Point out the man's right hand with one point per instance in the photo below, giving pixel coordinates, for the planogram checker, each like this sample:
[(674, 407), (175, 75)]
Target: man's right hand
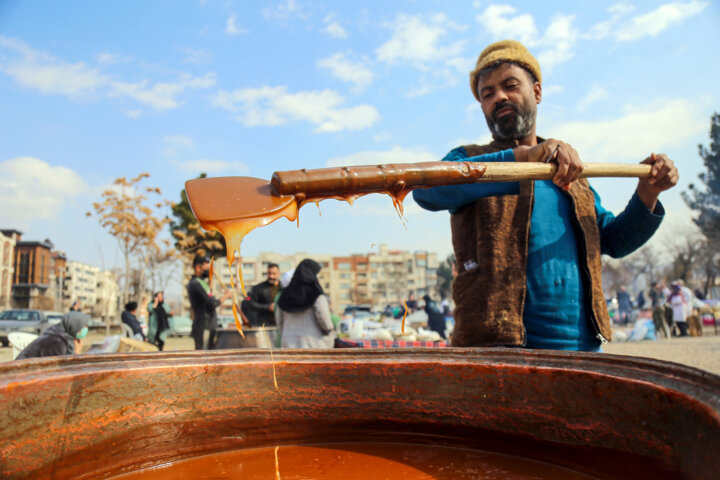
[(271, 307), (568, 160)]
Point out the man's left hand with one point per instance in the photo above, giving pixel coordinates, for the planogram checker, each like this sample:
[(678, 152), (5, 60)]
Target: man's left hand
[(663, 176)]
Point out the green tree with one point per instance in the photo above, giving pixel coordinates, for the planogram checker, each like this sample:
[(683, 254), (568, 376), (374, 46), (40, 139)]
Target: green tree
[(190, 238), (705, 200)]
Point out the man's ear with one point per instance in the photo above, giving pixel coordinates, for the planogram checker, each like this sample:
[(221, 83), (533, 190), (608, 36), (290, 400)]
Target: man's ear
[(537, 90)]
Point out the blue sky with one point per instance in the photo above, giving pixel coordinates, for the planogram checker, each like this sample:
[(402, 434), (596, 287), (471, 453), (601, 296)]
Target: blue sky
[(96, 90)]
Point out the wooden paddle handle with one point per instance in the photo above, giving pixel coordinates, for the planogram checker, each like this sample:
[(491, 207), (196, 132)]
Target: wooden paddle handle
[(401, 176)]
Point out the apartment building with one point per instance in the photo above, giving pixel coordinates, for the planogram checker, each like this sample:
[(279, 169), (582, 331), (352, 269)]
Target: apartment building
[(8, 238), (81, 285), (39, 274)]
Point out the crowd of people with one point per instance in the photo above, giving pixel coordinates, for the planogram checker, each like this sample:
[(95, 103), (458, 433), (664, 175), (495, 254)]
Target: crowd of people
[(673, 306)]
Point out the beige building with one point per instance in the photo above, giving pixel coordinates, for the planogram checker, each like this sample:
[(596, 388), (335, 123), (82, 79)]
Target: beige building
[(8, 238), (107, 296), (383, 277), (81, 285), (96, 290)]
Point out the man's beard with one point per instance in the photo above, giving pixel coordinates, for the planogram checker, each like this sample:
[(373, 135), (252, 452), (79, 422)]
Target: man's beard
[(512, 126)]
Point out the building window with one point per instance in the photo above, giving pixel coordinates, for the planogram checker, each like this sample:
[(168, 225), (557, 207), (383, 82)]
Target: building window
[(421, 262), (345, 286), (345, 276), (343, 266)]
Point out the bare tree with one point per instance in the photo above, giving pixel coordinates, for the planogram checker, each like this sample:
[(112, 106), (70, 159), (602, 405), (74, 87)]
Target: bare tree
[(124, 213), (685, 253)]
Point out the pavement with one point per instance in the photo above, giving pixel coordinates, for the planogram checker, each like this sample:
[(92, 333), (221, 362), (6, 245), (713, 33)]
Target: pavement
[(699, 352)]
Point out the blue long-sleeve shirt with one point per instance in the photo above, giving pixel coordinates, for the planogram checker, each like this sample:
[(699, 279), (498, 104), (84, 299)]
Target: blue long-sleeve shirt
[(556, 313)]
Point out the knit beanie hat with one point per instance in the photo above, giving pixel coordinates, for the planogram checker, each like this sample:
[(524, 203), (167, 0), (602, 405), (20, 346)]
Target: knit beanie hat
[(505, 50)]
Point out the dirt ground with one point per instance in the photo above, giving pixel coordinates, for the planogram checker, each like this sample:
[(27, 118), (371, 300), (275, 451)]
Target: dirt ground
[(699, 352)]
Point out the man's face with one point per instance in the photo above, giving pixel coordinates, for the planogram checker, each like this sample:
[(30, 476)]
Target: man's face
[(160, 297), (509, 100), (273, 275)]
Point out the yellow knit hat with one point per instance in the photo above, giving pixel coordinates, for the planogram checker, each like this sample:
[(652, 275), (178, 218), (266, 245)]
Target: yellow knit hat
[(508, 50)]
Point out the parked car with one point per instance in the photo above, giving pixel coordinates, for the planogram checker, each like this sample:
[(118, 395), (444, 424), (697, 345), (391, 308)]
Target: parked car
[(20, 320), (54, 317), (180, 326)]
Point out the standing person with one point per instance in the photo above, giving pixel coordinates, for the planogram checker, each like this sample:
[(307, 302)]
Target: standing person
[(129, 318), (203, 305), (624, 305), (261, 300), (529, 252), (158, 320), (303, 314), (641, 300), (436, 319), (688, 296), (678, 304), (656, 295), (411, 303), (65, 338)]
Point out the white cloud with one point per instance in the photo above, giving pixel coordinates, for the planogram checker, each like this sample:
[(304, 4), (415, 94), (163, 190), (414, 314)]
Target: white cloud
[(596, 94), (231, 26), (37, 70), (416, 41), (284, 11), (606, 27), (334, 29), (346, 70), (134, 113), (382, 157), (552, 90), (654, 22), (197, 56), (644, 130), (555, 46), (273, 106), (176, 143), (161, 96), (202, 165), (40, 71), (111, 58), (32, 189), (498, 23)]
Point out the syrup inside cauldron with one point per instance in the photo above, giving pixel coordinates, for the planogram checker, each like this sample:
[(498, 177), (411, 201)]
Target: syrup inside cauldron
[(355, 461)]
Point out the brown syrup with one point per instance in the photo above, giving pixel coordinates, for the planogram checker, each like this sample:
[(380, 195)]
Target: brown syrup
[(355, 461)]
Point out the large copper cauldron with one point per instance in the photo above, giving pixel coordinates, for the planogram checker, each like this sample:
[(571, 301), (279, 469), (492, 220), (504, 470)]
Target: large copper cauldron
[(614, 417)]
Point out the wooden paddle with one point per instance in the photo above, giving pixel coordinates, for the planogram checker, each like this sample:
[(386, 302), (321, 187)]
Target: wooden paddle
[(221, 199)]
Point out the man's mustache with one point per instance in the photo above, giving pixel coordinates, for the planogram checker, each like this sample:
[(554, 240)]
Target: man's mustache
[(504, 104)]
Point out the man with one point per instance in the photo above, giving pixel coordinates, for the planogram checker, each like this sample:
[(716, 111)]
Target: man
[(624, 305), (203, 304), (528, 253), (129, 318), (412, 303), (261, 301)]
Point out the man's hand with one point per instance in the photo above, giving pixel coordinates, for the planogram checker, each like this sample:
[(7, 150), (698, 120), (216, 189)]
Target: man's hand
[(226, 295), (568, 160), (271, 307), (663, 176)]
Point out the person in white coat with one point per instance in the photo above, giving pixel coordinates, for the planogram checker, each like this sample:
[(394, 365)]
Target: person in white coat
[(303, 313)]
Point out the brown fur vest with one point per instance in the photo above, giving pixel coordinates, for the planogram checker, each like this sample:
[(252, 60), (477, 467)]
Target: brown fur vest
[(494, 232)]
